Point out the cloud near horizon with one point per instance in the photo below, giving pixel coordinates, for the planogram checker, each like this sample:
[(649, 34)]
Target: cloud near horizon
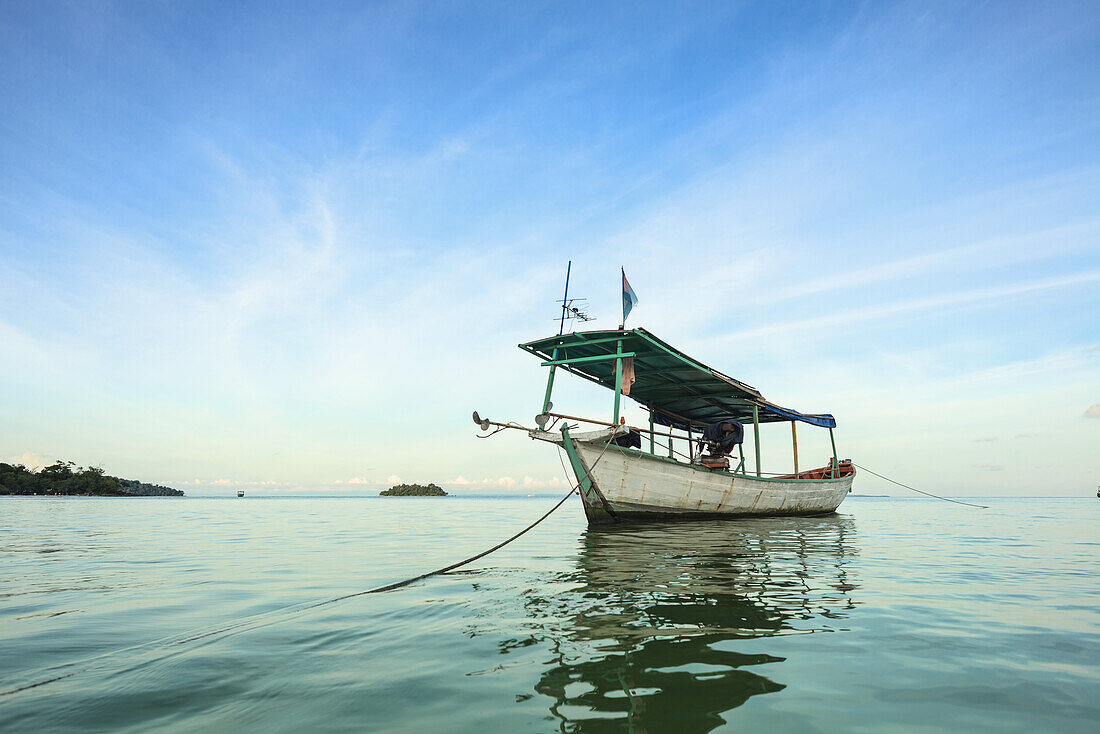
[(31, 460)]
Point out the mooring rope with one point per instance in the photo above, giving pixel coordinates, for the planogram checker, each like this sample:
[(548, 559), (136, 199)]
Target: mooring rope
[(264, 619), (471, 559), (906, 486), (453, 566)]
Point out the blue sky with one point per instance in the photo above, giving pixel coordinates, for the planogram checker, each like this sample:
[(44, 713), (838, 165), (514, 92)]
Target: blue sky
[(291, 247)]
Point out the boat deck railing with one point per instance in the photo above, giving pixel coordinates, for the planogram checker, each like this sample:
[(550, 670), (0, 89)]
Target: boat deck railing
[(833, 471)]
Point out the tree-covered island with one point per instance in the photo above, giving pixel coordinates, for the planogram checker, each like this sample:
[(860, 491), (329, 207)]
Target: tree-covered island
[(413, 490), (65, 478)]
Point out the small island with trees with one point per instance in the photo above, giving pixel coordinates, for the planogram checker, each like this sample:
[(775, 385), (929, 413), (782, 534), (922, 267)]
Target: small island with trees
[(413, 490), (63, 478)]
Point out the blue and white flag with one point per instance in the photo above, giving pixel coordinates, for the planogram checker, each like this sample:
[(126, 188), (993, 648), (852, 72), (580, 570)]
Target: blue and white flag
[(629, 299)]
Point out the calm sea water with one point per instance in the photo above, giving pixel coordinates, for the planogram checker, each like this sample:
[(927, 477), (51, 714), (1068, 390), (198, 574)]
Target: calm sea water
[(894, 615)]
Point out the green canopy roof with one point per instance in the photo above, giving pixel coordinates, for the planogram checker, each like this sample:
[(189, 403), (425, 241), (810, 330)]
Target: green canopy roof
[(678, 389)]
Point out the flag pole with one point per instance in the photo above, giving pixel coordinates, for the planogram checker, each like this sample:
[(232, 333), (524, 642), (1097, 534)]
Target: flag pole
[(623, 324)]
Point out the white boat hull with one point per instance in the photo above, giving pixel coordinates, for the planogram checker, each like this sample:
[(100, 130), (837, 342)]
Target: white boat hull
[(627, 484)]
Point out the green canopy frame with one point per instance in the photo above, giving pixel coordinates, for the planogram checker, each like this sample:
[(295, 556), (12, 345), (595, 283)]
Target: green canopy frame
[(682, 390), (679, 391)]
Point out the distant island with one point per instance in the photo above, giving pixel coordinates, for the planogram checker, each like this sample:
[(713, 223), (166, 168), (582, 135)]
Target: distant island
[(413, 490), (64, 478)]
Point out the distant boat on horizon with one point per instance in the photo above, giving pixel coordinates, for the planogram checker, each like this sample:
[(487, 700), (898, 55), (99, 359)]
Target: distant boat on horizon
[(240, 493)]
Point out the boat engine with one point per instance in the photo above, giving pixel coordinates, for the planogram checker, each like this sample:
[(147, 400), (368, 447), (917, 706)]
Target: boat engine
[(718, 441)]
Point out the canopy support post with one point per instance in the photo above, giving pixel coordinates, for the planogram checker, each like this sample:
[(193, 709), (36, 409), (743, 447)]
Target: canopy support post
[(561, 330), (794, 443), (756, 435), (618, 380), (691, 446), (549, 385), (832, 440), (741, 453), (651, 433)]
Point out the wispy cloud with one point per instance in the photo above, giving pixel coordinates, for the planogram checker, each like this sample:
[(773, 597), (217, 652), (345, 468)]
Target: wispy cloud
[(916, 306)]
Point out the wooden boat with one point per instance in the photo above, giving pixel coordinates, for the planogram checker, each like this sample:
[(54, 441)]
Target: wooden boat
[(620, 480)]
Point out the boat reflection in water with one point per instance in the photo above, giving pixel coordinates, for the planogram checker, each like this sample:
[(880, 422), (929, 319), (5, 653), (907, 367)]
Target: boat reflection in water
[(649, 629)]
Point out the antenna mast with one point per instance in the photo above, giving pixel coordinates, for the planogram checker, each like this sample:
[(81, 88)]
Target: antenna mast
[(565, 299), (572, 309)]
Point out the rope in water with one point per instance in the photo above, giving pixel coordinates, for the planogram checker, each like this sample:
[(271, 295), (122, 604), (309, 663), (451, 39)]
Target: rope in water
[(471, 559), (258, 621), (906, 486), (453, 566)]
